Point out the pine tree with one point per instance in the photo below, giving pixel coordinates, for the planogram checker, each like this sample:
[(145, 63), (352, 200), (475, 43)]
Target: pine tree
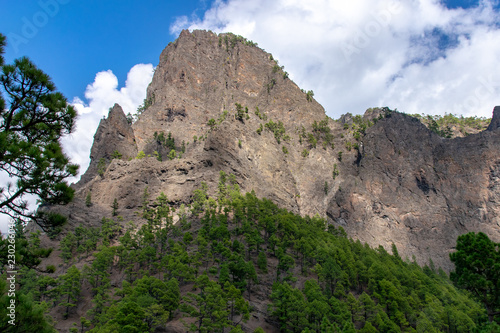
[(32, 122), (171, 155), (30, 316), (140, 155), (477, 269), (67, 246), (235, 304), (101, 167), (98, 273), (367, 307), (224, 274), (88, 199), (368, 328), (172, 297), (251, 277), (115, 207), (130, 318), (209, 307), (70, 288), (354, 307), (116, 155), (85, 323), (288, 307), (285, 264)]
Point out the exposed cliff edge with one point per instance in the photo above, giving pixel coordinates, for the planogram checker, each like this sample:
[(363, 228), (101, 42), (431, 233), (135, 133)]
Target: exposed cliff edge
[(385, 178)]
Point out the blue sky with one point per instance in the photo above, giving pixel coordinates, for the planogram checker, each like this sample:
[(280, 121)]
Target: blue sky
[(81, 38), (419, 56), (461, 3)]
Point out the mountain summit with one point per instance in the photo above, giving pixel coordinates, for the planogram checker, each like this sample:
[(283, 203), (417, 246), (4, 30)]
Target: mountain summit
[(219, 103)]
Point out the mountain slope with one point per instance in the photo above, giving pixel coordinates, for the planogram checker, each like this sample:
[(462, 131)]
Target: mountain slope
[(222, 104), (241, 264)]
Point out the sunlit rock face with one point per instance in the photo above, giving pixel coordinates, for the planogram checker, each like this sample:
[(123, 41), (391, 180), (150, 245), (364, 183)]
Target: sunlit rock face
[(230, 107)]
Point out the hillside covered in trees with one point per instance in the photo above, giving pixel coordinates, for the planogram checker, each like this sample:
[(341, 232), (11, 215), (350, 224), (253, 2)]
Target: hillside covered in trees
[(234, 263)]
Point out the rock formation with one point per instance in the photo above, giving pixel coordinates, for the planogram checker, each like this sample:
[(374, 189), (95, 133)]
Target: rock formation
[(113, 134), (230, 107), (421, 191)]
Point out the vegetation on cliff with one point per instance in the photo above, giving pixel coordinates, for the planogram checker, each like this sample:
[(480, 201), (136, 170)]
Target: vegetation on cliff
[(451, 126)]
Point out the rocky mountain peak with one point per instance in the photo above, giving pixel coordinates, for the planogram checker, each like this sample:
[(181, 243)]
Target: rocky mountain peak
[(201, 75), (219, 103)]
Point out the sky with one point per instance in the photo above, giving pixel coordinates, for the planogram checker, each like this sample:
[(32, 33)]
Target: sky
[(417, 56)]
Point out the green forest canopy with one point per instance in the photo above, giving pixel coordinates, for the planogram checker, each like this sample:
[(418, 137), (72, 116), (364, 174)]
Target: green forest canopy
[(229, 250)]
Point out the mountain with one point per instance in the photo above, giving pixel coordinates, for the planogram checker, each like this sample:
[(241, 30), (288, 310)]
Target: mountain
[(384, 177), (233, 181)]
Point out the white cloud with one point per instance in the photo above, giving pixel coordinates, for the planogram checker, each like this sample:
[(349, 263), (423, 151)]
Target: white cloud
[(365, 53), (102, 94)]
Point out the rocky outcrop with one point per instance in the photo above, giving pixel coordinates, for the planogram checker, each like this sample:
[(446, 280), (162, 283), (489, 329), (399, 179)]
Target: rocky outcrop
[(230, 107), (495, 121), (113, 134)]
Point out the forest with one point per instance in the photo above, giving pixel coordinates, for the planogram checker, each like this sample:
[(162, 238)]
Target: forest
[(224, 256)]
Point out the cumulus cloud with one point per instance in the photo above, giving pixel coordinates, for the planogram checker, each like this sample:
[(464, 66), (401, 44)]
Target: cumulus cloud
[(417, 56), (102, 94)]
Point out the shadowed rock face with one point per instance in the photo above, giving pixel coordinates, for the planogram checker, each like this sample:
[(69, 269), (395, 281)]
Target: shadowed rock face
[(406, 185), (421, 191), (495, 121)]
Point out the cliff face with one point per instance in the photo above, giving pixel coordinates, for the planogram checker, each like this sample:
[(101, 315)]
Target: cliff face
[(395, 182), (421, 191), (201, 74)]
